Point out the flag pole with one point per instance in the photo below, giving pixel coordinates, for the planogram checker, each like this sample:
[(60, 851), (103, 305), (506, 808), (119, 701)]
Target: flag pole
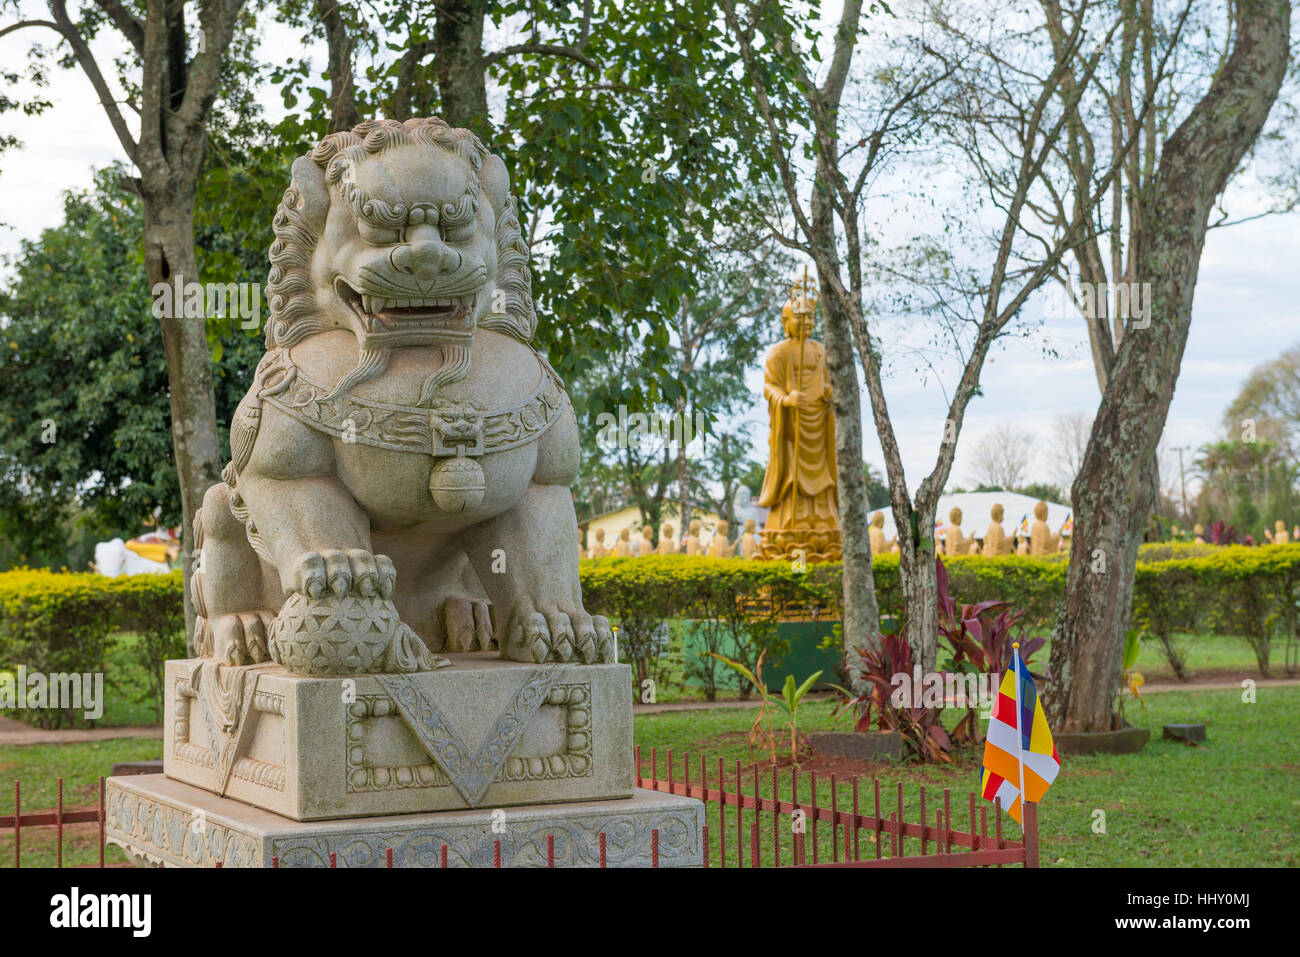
[(1020, 752)]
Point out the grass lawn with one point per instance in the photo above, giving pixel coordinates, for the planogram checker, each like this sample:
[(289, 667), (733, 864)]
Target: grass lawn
[(38, 768), (1233, 802)]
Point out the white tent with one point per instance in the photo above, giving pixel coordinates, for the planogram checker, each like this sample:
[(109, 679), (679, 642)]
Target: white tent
[(114, 558), (975, 507)]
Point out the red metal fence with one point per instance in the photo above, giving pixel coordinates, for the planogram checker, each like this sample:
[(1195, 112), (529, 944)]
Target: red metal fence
[(729, 839), (837, 830)]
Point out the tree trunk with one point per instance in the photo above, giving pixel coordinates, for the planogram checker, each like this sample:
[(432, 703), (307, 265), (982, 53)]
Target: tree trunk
[(458, 58), (343, 93), (169, 257), (919, 583), (1110, 503), (861, 617)]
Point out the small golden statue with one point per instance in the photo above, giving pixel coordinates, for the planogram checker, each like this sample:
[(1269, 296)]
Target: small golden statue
[(749, 544), (647, 545), (879, 544), (1279, 537), (721, 547), (667, 541), (954, 543), (693, 539), (1041, 539), (995, 539), (623, 547), (799, 487), (598, 550)]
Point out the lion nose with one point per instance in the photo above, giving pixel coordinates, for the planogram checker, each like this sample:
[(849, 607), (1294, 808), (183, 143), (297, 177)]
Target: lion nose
[(424, 255)]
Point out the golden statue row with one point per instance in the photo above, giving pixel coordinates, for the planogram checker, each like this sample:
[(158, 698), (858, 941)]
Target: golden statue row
[(718, 546), (1039, 541)]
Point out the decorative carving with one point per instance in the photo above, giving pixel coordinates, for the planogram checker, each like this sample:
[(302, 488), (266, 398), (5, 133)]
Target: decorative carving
[(523, 844), (572, 761), (163, 834), (348, 635), (471, 773), (403, 428)]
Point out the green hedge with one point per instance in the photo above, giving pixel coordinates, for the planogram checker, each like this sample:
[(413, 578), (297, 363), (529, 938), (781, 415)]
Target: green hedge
[(61, 622)]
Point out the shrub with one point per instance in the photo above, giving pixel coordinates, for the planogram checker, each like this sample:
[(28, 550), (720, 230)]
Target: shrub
[(60, 622)]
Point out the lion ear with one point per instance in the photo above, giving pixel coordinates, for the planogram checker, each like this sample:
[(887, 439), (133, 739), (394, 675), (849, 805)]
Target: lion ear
[(494, 178), (310, 180)]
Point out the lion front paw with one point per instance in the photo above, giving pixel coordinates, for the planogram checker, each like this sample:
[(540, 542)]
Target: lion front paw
[(351, 571), (240, 638), (550, 634), (466, 625)]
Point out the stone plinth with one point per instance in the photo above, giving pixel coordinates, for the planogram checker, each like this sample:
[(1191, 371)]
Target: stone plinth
[(483, 733), (156, 820)]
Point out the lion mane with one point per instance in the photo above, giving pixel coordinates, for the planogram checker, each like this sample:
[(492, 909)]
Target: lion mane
[(300, 218)]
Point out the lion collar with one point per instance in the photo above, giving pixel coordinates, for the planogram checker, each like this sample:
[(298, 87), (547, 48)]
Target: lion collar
[(444, 429)]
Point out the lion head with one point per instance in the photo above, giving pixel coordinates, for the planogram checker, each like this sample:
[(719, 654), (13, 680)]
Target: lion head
[(406, 234)]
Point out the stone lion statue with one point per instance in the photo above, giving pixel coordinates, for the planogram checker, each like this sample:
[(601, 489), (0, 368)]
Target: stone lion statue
[(400, 465)]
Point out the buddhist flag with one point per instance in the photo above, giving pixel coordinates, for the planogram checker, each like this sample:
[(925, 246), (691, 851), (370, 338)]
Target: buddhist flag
[(1067, 527), (1019, 753), (1024, 524)]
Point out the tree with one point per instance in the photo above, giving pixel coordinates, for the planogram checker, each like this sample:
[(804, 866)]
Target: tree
[(1191, 171), (172, 92), (87, 439), (1268, 405), (1002, 456), (956, 80)]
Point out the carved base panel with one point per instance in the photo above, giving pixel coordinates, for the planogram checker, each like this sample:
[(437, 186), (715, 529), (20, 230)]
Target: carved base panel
[(157, 821), (813, 546), (481, 733)]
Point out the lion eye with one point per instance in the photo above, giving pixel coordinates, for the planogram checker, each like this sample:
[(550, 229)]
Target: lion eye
[(379, 235), (461, 234)]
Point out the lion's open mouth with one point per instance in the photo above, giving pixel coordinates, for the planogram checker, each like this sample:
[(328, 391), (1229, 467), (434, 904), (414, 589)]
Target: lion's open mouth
[(382, 314)]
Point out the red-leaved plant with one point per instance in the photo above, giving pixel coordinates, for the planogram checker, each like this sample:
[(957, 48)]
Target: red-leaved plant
[(980, 638), (919, 727)]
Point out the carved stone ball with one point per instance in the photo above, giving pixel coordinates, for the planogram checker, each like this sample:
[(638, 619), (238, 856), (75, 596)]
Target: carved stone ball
[(334, 636), (457, 485)]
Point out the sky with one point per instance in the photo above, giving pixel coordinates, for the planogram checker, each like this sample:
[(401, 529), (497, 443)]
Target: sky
[(1247, 306)]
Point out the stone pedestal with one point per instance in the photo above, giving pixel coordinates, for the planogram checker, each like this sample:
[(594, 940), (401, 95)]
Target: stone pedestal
[(262, 766), (484, 732), (161, 821)]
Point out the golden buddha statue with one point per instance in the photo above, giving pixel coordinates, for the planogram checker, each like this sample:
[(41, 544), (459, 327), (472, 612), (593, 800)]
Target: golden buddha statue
[(721, 547), (598, 550), (1199, 530), (623, 547), (749, 544), (876, 533), (954, 542), (799, 486), (647, 545), (1280, 536), (995, 539), (1041, 539), (667, 542), (693, 539)]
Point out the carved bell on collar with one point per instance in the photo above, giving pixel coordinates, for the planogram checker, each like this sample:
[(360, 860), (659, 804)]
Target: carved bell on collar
[(457, 484)]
